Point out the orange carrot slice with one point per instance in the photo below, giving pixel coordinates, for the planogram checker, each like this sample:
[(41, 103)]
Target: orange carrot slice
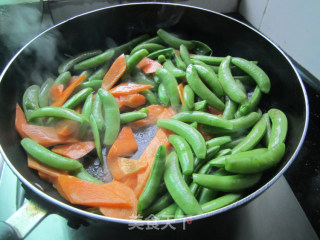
[(56, 92), (46, 136), (124, 144), (66, 127), (180, 91), (20, 120), (66, 93), (115, 72), (128, 88), (153, 116), (78, 191), (148, 65), (74, 150), (132, 101)]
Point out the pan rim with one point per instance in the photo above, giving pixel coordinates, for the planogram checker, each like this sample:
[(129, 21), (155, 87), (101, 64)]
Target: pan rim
[(240, 202)]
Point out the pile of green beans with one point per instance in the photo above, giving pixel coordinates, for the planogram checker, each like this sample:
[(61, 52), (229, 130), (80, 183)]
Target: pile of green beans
[(214, 160)]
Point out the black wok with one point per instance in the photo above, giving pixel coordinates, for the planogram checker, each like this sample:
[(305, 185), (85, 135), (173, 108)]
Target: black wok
[(104, 28)]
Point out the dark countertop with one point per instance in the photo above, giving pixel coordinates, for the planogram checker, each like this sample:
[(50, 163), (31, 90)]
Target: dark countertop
[(303, 175)]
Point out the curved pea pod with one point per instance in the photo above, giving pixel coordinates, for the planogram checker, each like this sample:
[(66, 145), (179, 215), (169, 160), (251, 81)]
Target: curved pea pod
[(97, 112), (141, 78), (159, 204), (86, 113), (232, 183), (201, 90), (279, 127), (63, 78), (209, 76), (167, 52), (78, 98), (174, 41), (218, 141), (228, 83), (178, 188), (84, 175), (250, 105), (166, 213), (30, 103), (255, 163), (221, 202), (184, 152), (200, 106), (132, 116), (176, 72), (203, 118), (230, 109), (44, 92), (188, 96), (239, 124), (100, 73), (179, 62), (150, 47), (266, 137), (201, 48), (96, 136), (253, 137), (134, 59), (93, 84), (170, 85), (95, 61), (211, 60), (70, 62), (150, 97), (191, 135), (48, 157), (260, 77), (185, 55), (162, 95), (112, 116), (57, 112), (150, 190)]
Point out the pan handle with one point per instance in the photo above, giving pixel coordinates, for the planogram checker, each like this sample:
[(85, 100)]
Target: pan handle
[(22, 222)]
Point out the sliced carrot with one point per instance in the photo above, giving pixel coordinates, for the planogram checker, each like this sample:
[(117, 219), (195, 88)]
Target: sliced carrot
[(180, 91), (124, 144), (214, 111), (56, 92), (46, 136), (132, 101), (74, 150), (148, 65), (66, 127), (161, 138), (131, 180), (50, 174), (115, 72), (20, 120), (121, 168), (122, 212), (72, 80), (128, 88), (78, 191), (153, 116), (66, 93)]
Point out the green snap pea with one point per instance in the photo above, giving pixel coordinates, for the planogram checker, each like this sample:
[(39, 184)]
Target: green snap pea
[(249, 164), (194, 125), (193, 136), (253, 137), (184, 152), (185, 55), (134, 59), (97, 112), (63, 78), (228, 83), (141, 78), (221, 202), (94, 84), (100, 73), (179, 62), (252, 104), (239, 124), (211, 152), (260, 77), (144, 110), (86, 113), (279, 127), (150, 190), (174, 41), (218, 141), (163, 96), (178, 188), (200, 106), (96, 137), (246, 79), (155, 39), (201, 90), (176, 72), (132, 116), (48, 157), (161, 203), (70, 62), (234, 142), (166, 213), (150, 97), (78, 98), (188, 96), (232, 183), (150, 47), (170, 84), (84, 175), (44, 93), (240, 85), (167, 52), (211, 60), (87, 74), (95, 61), (57, 112), (210, 78), (230, 109), (162, 58), (203, 118), (112, 116), (266, 137), (30, 103), (223, 152), (201, 48)]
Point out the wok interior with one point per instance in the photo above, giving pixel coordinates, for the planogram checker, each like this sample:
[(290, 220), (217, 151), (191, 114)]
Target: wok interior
[(114, 26)]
